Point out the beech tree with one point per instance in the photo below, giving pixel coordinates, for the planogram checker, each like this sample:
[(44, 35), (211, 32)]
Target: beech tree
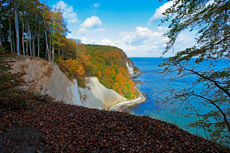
[(211, 21)]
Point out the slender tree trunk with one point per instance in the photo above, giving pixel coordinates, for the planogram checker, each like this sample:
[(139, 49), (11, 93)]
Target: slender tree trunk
[(10, 39), (27, 48), (13, 42), (29, 34), (53, 48), (62, 53), (34, 42), (53, 53), (16, 26), (50, 43), (23, 47), (38, 41), (47, 48), (50, 49)]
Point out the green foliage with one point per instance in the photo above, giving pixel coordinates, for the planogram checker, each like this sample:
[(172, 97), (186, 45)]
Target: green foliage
[(210, 19), (81, 82)]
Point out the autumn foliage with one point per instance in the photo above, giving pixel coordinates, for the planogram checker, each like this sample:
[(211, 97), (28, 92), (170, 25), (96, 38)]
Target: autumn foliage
[(109, 65)]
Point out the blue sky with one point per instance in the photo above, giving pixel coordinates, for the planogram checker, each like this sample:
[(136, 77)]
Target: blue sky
[(129, 25)]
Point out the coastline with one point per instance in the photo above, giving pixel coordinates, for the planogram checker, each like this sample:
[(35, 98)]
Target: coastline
[(123, 104), (135, 75)]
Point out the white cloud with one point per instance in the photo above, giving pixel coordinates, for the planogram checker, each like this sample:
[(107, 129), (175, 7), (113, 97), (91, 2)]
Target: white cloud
[(84, 40), (96, 5), (158, 13), (100, 30), (68, 13), (69, 35), (83, 31), (91, 22), (164, 29), (141, 36), (146, 42), (107, 42), (143, 42)]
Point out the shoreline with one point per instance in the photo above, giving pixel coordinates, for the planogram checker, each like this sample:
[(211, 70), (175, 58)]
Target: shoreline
[(122, 105), (135, 75)]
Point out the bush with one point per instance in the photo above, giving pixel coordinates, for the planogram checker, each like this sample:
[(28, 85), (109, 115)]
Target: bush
[(81, 82)]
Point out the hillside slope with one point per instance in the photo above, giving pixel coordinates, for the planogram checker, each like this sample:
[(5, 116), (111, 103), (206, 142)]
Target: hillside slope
[(69, 128)]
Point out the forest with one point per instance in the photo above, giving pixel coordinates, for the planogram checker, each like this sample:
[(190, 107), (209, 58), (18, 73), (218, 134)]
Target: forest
[(31, 28)]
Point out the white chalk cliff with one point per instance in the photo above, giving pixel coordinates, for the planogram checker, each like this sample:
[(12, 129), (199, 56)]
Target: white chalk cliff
[(130, 68), (96, 93), (46, 78)]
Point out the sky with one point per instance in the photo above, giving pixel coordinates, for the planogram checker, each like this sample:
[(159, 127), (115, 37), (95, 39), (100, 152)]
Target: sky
[(132, 26)]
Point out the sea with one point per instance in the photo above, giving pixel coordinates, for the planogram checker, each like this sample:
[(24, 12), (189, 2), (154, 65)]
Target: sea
[(155, 86)]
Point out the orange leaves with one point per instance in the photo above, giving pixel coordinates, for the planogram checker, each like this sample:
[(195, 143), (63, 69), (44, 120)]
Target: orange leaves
[(72, 67), (99, 74), (120, 78), (80, 71)]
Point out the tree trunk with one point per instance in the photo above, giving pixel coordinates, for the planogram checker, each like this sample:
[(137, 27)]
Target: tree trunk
[(23, 47), (50, 49), (38, 41), (10, 39), (13, 42), (62, 53), (53, 49), (27, 48), (34, 42), (16, 26), (29, 38), (47, 48)]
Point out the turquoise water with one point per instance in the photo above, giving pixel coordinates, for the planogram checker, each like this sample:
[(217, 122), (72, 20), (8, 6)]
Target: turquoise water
[(154, 85)]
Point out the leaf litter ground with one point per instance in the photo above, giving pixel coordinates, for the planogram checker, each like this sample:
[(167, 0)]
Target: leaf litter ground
[(46, 126)]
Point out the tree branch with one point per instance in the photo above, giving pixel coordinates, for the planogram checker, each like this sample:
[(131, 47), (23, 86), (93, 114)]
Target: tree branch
[(213, 103), (205, 77)]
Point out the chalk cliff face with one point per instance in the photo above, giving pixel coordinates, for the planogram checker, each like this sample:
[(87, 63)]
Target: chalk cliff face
[(46, 78), (131, 67), (97, 93)]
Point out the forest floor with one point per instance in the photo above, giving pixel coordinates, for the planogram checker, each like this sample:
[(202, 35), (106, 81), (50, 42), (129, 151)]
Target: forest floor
[(46, 126)]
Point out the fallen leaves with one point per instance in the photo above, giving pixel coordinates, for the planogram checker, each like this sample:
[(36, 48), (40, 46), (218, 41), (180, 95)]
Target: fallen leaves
[(68, 128)]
